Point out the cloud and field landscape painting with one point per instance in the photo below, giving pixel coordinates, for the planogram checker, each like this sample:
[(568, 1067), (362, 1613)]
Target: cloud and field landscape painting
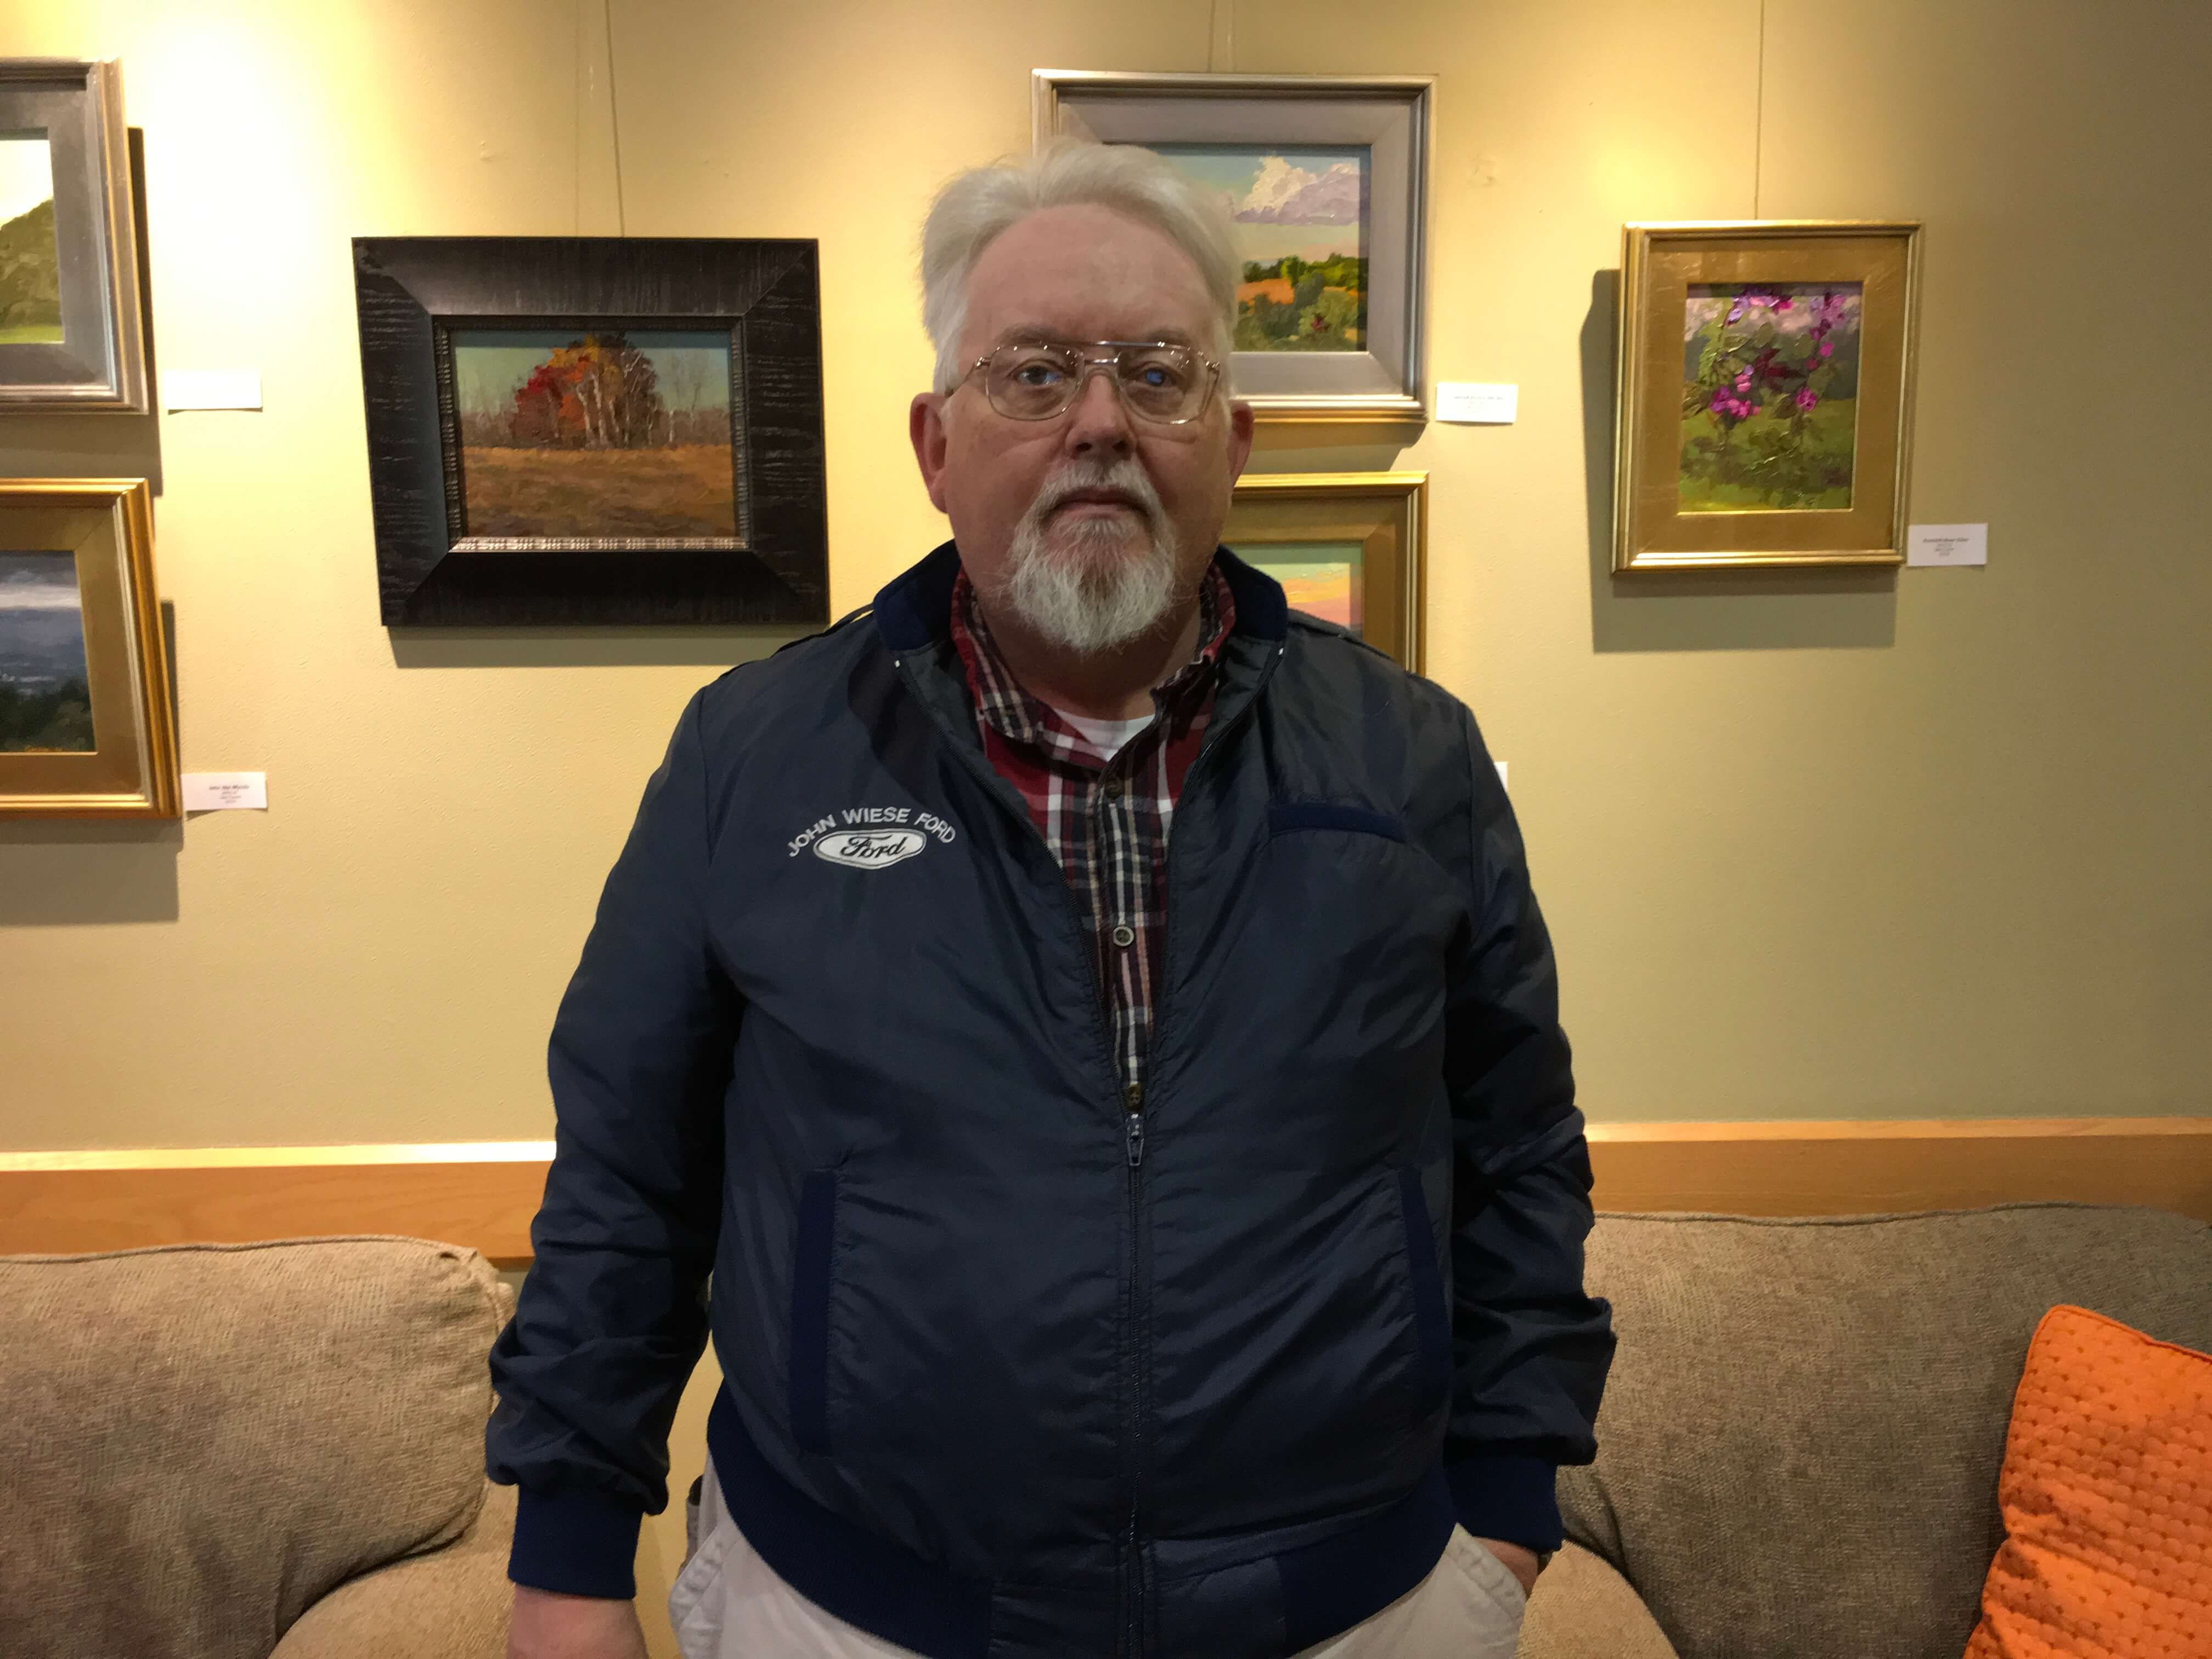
[(30, 259), (1321, 578), (1301, 219), (46, 696), (1770, 395), (615, 433)]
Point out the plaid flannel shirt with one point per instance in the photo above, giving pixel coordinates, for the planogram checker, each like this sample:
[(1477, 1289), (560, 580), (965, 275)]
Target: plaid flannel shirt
[(1105, 820)]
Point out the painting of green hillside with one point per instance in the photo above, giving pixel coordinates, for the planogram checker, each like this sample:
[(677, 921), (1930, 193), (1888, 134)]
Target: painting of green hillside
[(30, 261), (1300, 219)]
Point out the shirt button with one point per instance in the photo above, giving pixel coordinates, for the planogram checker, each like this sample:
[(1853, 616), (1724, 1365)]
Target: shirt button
[(1124, 935), (1134, 1094), (1111, 789)]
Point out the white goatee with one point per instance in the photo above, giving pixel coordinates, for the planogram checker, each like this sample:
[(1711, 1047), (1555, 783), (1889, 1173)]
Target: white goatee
[(1090, 584)]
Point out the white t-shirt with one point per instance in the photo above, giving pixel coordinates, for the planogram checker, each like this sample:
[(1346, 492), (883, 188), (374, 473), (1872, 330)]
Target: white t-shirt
[(1108, 737)]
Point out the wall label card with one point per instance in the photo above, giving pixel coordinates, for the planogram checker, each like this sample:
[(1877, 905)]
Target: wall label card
[(211, 388), (223, 792), (1948, 544), (1482, 403)]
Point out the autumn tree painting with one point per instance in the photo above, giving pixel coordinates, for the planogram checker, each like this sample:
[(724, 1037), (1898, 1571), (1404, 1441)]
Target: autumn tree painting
[(613, 435)]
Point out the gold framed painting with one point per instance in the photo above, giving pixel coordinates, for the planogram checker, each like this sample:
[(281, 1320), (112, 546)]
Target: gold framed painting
[(1347, 547), (86, 725), (1765, 395)]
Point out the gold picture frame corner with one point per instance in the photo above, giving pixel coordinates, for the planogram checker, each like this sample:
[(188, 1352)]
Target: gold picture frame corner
[(132, 776), (1392, 505)]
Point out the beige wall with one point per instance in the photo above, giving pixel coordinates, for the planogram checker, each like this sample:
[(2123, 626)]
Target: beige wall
[(1933, 843), (1928, 843)]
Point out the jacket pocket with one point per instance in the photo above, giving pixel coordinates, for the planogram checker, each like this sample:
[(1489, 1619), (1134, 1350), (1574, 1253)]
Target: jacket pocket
[(809, 1311), (1285, 817), (1432, 1318)]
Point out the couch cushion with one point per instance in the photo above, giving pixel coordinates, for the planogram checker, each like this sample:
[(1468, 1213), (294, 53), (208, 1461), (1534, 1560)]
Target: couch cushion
[(2106, 1492), (1798, 1443), (201, 1440)]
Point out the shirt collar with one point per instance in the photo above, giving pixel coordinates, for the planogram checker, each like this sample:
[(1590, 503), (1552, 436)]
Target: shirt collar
[(1002, 701)]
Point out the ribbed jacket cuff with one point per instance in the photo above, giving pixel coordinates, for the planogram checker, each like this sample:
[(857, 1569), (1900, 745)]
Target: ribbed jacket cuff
[(576, 1543), (1509, 1499)]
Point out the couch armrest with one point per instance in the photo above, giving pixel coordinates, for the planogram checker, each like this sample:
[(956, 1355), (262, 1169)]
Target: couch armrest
[(451, 1603), (1584, 1609)]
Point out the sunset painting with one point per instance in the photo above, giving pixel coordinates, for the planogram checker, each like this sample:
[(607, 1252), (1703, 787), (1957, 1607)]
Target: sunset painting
[(1322, 579)]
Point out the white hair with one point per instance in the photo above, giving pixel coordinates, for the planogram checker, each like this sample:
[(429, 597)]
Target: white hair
[(975, 207)]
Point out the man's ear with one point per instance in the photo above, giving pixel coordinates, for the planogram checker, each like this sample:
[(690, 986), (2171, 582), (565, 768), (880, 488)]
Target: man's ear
[(1240, 437), (925, 424)]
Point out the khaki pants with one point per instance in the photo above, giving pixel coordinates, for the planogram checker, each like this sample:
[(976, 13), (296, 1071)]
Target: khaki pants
[(728, 1604)]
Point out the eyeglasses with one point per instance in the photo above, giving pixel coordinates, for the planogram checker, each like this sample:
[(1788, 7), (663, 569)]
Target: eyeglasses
[(1037, 379)]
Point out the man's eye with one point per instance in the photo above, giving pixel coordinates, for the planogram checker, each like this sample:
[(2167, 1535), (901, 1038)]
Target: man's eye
[(1157, 374), (1037, 374)]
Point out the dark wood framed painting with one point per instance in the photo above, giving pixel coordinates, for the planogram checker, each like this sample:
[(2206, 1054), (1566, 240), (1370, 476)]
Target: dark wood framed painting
[(594, 429)]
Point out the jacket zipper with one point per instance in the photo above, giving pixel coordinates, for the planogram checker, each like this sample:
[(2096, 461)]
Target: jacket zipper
[(1133, 1643), (1139, 1596), (1131, 1098), (1130, 1105)]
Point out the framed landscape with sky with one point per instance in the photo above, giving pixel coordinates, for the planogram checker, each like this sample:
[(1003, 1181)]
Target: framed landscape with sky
[(570, 430), (1347, 547), (72, 331), (86, 729), (1325, 182), (1765, 410)]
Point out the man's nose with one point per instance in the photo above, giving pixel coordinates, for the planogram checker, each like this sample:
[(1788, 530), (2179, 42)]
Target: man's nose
[(1098, 420)]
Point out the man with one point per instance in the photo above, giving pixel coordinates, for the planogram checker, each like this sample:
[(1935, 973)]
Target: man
[(1095, 1028)]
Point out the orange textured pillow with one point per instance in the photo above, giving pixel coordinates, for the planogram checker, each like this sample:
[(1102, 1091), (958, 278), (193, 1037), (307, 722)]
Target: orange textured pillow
[(2107, 1500)]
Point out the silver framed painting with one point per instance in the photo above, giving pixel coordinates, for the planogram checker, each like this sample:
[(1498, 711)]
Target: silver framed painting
[(1326, 179), (71, 332)]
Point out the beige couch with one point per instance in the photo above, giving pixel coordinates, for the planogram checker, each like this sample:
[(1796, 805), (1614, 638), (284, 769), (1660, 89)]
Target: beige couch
[(242, 1451), (1799, 1446), (276, 1450)]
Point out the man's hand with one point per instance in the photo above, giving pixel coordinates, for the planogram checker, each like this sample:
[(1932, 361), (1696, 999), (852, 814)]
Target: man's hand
[(1520, 1562), (548, 1626)]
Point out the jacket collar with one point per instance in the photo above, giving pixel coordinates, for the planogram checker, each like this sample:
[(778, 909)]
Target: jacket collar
[(915, 607)]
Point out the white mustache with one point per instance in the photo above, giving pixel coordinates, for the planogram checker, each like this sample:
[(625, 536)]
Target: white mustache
[(1125, 476)]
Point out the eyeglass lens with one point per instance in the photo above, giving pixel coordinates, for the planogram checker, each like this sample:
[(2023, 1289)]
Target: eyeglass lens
[(1037, 380)]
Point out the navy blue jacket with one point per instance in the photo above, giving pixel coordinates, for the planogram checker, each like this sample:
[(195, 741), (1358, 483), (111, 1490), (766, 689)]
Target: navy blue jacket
[(1008, 1371)]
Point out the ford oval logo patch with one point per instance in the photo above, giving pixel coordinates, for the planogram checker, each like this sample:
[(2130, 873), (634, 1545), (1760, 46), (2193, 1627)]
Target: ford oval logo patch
[(870, 849)]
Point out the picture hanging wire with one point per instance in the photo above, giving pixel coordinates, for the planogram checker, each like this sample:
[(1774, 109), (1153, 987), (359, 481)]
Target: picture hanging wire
[(614, 116), (1758, 113)]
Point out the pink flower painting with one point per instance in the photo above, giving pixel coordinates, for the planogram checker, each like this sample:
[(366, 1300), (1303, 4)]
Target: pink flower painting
[(1769, 397)]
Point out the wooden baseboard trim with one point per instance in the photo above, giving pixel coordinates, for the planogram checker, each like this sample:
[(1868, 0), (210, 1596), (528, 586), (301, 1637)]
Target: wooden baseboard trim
[(483, 1195), (1933, 1164)]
